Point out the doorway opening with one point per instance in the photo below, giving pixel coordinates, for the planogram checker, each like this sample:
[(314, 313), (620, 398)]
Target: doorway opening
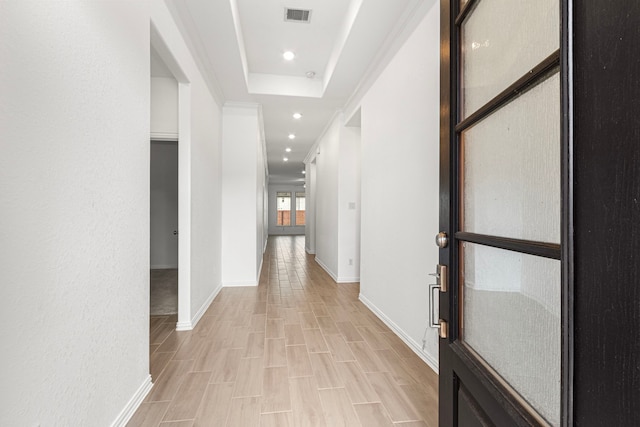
[(164, 228)]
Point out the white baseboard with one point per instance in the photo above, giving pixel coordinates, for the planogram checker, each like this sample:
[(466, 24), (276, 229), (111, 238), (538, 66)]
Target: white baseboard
[(333, 276), (184, 326), (164, 266), (187, 326), (260, 270), (239, 284), (325, 268), (309, 251), (132, 405), (413, 345)]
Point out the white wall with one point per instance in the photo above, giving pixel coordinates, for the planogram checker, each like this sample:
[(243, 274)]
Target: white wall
[(164, 203), (262, 176), (326, 200), (74, 135), (337, 199), (164, 108), (275, 229), (349, 206), (200, 186), (310, 228), (400, 146), (243, 175)]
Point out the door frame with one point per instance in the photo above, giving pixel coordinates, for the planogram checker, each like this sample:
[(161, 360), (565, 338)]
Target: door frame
[(184, 322), (503, 406)]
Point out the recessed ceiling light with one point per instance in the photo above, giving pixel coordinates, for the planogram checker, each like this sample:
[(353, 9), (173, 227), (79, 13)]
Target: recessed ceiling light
[(288, 55), (284, 159), (310, 74), (288, 150), (292, 136), (304, 172), (297, 116)]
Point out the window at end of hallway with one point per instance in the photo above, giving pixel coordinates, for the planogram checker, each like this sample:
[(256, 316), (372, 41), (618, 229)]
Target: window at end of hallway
[(283, 208), (300, 209)]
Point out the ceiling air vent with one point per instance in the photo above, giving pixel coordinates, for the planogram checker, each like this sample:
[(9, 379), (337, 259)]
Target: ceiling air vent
[(296, 15)]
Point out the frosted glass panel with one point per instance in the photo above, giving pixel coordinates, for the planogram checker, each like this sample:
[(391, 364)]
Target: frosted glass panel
[(501, 41), (511, 184), (511, 318)]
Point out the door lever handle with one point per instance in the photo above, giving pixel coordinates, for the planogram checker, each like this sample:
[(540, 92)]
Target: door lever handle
[(440, 285)]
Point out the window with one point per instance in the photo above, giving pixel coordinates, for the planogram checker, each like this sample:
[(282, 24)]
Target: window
[(283, 208), (300, 209)]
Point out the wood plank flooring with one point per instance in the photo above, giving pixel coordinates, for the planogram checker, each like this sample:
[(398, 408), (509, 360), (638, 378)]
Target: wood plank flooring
[(297, 350)]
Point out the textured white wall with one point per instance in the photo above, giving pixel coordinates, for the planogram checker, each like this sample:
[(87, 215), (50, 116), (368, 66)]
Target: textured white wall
[(200, 127), (326, 199), (242, 218), (74, 130), (400, 146), (335, 201), (262, 227), (310, 228), (349, 206), (164, 108), (206, 196)]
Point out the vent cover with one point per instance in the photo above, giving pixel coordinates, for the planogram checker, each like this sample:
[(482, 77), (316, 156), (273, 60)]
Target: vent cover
[(297, 15)]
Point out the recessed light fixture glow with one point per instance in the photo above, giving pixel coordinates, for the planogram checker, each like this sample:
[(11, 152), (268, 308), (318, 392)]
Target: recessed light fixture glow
[(284, 159), (297, 116), (288, 150), (288, 55), (304, 172), (292, 136)]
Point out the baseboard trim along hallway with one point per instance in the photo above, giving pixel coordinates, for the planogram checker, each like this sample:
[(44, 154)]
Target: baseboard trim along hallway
[(187, 326), (426, 357), (133, 404)]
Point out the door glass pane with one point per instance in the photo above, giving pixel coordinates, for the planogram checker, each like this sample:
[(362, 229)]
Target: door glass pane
[(511, 175), (283, 208), (511, 319), (300, 209), (501, 41)]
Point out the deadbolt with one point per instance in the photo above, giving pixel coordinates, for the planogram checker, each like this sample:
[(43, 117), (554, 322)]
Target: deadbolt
[(442, 240)]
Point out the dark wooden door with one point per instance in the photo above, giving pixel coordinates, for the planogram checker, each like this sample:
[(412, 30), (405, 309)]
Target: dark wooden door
[(503, 346)]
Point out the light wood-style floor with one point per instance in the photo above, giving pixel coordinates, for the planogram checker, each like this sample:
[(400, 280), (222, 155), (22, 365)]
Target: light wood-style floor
[(297, 350)]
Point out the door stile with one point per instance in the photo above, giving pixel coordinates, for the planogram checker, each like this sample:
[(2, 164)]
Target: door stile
[(567, 224), (447, 386)]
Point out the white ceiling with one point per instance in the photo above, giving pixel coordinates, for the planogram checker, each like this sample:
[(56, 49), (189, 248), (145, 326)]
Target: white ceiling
[(239, 45)]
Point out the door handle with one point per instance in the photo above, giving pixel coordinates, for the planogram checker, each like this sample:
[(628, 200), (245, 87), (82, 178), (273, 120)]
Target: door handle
[(441, 285), (175, 232), (442, 240)]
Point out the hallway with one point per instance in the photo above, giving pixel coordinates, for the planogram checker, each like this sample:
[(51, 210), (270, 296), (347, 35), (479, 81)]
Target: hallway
[(297, 350)]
